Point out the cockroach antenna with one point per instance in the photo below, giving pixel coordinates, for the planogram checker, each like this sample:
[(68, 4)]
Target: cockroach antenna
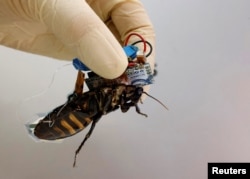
[(155, 100)]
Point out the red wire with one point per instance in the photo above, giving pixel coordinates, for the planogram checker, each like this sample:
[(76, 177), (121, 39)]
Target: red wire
[(131, 64), (142, 39)]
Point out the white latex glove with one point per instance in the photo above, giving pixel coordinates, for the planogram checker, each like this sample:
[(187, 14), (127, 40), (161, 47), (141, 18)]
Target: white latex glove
[(65, 29)]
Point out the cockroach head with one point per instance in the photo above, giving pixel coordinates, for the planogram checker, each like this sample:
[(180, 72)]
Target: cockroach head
[(133, 93)]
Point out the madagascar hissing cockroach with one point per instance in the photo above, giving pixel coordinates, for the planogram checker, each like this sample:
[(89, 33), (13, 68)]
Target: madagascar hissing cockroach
[(84, 108)]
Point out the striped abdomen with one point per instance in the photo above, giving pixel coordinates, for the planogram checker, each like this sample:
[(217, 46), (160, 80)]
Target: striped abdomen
[(64, 126), (72, 117)]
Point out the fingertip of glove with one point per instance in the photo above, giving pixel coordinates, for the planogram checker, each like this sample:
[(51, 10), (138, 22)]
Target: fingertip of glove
[(102, 53)]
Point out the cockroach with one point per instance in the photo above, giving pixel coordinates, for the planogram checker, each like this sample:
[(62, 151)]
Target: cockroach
[(83, 108)]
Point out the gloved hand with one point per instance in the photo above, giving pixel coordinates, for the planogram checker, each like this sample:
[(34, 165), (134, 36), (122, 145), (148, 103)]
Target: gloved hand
[(66, 29)]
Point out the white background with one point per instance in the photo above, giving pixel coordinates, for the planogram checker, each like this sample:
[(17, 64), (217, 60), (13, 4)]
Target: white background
[(203, 57)]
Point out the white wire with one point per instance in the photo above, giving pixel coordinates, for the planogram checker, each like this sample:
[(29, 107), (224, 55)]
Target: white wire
[(18, 113)]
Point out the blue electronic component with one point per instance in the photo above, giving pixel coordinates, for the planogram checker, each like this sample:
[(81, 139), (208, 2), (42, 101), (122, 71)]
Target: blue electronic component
[(130, 51), (79, 65)]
